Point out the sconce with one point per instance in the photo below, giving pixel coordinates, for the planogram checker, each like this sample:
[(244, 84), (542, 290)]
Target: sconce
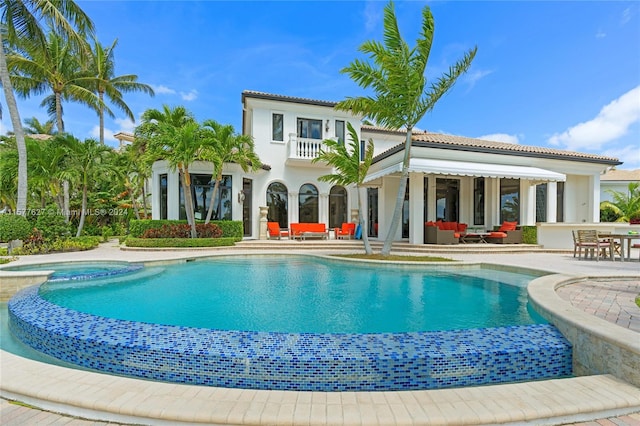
[(326, 126), (241, 196)]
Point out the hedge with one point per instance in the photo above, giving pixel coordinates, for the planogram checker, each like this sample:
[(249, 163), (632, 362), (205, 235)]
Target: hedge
[(230, 228), (179, 242), (530, 235)]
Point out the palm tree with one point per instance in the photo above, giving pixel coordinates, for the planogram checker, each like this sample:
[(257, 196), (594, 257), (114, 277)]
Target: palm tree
[(55, 67), (22, 19), (35, 127), (397, 77), (173, 135), (348, 169), (89, 160), (103, 68), (222, 145), (626, 206)]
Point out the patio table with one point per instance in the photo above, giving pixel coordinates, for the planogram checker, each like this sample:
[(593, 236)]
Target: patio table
[(474, 237), (625, 240)]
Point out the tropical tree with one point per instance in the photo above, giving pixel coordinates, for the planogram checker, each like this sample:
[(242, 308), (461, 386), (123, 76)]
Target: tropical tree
[(175, 136), (222, 145), (103, 68), (89, 161), (56, 68), (625, 205), (397, 77), (35, 127), (22, 20), (349, 169)]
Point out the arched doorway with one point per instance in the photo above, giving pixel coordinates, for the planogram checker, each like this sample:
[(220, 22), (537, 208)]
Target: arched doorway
[(278, 204), (338, 212), (308, 204)]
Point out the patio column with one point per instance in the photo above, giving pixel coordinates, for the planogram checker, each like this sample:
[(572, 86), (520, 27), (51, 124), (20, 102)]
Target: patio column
[(552, 202), (293, 208), (416, 208), (431, 199), (323, 206), (527, 202), (173, 195)]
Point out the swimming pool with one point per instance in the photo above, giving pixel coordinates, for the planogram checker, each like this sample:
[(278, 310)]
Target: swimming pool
[(260, 359)]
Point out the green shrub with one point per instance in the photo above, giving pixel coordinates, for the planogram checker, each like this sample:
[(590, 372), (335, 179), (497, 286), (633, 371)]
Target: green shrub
[(4, 251), (52, 223), (183, 230), (14, 227), (178, 242), (107, 232), (60, 245), (230, 228), (530, 235), (608, 215)]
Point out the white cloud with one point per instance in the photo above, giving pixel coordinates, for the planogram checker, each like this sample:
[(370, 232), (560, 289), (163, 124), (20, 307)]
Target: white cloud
[(163, 90), (372, 15), (3, 129), (95, 134), (190, 96), (471, 78), (611, 123), (629, 155), (501, 137), (626, 16), (601, 34), (125, 124)]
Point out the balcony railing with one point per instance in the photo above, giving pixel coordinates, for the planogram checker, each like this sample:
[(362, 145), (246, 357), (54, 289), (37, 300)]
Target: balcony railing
[(303, 148)]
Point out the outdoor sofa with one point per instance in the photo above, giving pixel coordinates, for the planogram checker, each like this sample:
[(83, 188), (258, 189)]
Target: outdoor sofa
[(441, 232)]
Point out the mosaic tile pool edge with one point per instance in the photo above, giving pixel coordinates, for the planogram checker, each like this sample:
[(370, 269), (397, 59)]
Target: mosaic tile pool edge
[(289, 361)]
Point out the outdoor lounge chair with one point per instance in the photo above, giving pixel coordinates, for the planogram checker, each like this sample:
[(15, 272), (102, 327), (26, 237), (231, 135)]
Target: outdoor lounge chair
[(275, 232), (347, 231)]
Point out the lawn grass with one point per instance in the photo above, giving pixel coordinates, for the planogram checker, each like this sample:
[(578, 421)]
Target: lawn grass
[(396, 257)]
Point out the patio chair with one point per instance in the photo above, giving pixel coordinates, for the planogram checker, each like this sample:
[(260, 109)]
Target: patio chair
[(275, 232), (593, 244), (347, 231)]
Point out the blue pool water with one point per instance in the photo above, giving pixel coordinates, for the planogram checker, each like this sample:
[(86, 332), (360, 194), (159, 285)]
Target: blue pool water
[(301, 295), (79, 270), (292, 323)]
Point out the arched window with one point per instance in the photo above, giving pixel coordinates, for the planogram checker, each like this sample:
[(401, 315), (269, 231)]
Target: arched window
[(277, 202), (337, 207), (308, 204)]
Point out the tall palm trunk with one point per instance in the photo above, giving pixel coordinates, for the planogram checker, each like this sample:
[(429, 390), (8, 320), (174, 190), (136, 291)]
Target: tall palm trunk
[(12, 105), (144, 199), (84, 208), (101, 116), (214, 197), (363, 224), (66, 204), (188, 201), (397, 211)]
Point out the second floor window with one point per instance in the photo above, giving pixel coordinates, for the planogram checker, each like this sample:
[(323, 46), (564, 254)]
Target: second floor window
[(340, 131), (309, 129), (277, 127)]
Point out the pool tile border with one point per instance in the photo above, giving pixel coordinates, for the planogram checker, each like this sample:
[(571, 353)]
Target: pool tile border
[(291, 361)]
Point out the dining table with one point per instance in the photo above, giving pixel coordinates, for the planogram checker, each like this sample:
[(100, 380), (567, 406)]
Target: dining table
[(625, 239)]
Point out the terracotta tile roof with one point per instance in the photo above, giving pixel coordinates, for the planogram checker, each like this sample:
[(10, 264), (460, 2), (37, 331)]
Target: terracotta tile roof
[(621, 175), (442, 141), (282, 98)]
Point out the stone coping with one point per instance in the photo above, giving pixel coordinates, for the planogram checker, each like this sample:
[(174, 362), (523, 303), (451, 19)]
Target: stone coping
[(600, 347)]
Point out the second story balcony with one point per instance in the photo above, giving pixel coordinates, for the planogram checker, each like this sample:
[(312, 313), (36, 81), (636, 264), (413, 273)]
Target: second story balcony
[(301, 151)]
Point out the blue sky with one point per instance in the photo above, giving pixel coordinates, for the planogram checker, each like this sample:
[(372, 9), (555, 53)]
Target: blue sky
[(558, 74)]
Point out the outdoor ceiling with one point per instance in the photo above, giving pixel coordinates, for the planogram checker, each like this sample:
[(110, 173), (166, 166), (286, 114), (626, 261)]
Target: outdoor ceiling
[(461, 168)]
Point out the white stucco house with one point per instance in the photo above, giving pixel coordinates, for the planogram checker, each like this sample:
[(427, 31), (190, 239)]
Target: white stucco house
[(617, 180), (481, 183)]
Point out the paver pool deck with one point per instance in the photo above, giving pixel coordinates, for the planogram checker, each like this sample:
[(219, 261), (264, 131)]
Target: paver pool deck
[(595, 400)]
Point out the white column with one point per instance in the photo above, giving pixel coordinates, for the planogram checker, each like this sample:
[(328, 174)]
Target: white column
[(552, 202), (323, 206), (594, 189), (492, 202), (416, 208), (293, 208), (527, 203), (431, 199), (263, 223), (173, 194)]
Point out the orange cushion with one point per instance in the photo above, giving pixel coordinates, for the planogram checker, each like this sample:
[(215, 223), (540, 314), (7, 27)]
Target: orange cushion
[(430, 223), (456, 234), (508, 226), (450, 226), (497, 235), (462, 227), (439, 224)]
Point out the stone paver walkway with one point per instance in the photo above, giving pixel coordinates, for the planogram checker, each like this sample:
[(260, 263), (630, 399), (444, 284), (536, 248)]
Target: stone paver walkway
[(613, 301)]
